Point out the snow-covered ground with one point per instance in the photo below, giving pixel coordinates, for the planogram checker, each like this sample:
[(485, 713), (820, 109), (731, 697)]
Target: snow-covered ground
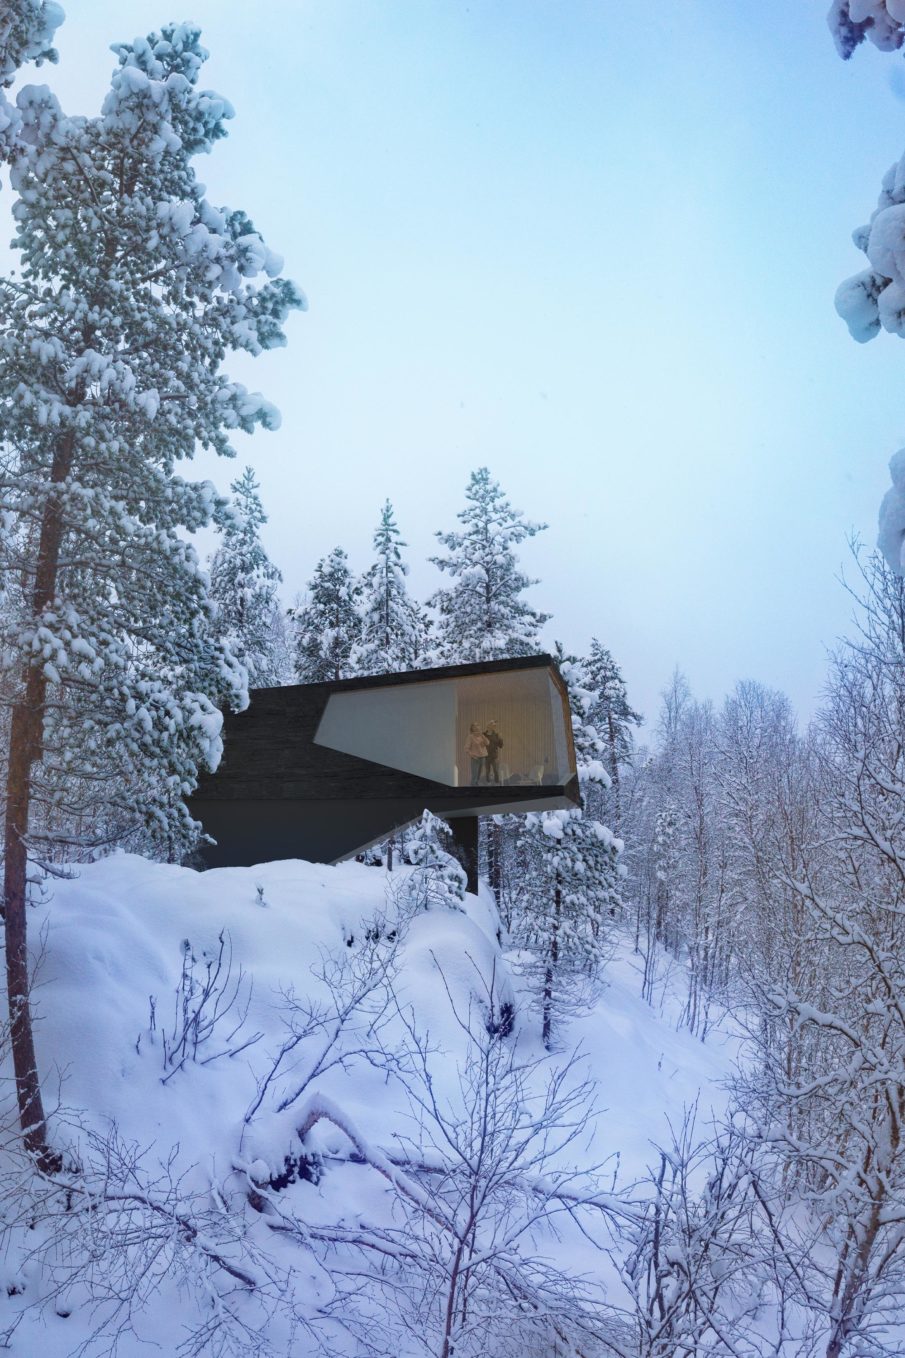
[(115, 941)]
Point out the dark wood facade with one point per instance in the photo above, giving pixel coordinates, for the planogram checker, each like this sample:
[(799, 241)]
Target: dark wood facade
[(278, 794)]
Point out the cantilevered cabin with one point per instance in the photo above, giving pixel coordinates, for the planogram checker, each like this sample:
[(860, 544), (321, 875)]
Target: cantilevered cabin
[(322, 771)]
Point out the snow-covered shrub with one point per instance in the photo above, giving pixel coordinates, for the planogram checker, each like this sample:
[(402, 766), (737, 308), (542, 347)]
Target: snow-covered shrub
[(210, 999), (116, 1235), (700, 1262), (479, 1178)]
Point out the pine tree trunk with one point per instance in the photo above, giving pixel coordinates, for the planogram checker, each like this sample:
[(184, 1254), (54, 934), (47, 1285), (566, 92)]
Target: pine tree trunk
[(495, 858), (25, 749), (614, 774), (28, 1089), (552, 959)]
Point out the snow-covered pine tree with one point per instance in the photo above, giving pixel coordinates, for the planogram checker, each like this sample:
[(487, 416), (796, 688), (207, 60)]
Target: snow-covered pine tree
[(590, 749), (326, 629), (27, 28), (244, 585), (132, 290), (874, 299), (611, 716), (571, 875), (438, 880), (570, 890), (482, 615), (394, 632)]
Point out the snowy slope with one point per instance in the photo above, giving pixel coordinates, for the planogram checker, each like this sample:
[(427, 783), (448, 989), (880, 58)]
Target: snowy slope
[(114, 941)]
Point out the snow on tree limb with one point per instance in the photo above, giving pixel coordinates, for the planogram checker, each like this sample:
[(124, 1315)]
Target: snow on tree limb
[(881, 22), (27, 28)]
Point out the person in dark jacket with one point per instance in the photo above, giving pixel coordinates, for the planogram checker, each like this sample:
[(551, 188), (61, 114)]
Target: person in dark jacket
[(492, 761)]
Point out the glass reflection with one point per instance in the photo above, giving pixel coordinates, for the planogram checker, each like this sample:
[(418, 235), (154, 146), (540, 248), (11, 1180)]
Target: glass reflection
[(505, 729)]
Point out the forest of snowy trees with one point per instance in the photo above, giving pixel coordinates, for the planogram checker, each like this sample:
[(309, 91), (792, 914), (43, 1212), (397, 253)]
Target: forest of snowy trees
[(755, 871), (747, 871), (346, 625)]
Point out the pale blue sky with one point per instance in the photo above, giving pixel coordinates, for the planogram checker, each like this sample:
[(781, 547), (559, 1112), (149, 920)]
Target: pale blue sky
[(593, 246)]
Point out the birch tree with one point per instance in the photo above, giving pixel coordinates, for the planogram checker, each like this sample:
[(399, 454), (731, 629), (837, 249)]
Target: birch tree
[(833, 1115)]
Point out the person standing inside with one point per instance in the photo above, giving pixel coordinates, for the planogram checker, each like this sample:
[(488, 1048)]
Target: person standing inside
[(476, 750), (494, 745)]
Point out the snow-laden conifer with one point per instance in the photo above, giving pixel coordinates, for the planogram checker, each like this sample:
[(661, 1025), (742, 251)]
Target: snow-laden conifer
[(570, 892), (570, 886), (326, 628), (874, 299), (610, 710), (27, 28), (607, 713), (438, 880), (588, 743), (133, 288), (482, 615), (393, 627), (244, 583)]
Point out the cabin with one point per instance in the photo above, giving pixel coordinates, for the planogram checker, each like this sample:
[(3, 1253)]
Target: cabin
[(323, 771)]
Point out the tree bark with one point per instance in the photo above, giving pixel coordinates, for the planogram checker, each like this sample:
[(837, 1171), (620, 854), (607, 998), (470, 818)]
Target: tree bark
[(552, 960), (614, 773), (25, 749), (495, 858)]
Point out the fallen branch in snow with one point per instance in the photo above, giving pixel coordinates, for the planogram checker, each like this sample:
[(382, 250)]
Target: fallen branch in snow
[(106, 1237), (190, 1231), (319, 1109)]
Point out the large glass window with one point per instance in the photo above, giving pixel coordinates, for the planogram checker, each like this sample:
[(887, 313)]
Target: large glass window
[(506, 728)]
